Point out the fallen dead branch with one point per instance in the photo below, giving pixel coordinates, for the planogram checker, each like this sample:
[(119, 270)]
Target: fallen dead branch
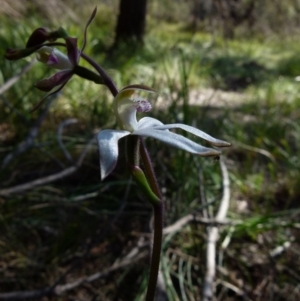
[(212, 237), (178, 225), (48, 179)]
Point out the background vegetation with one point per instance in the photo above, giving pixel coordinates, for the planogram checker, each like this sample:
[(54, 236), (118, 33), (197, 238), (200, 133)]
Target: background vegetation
[(231, 71)]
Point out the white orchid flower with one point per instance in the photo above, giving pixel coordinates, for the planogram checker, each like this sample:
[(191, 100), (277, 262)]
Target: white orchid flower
[(125, 109)]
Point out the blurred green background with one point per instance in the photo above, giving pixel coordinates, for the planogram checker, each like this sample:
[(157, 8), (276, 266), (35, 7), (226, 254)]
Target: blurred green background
[(229, 68)]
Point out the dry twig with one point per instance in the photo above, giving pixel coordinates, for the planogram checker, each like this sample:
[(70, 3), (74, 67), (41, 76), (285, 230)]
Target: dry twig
[(59, 137), (178, 225), (48, 179), (212, 237), (15, 78), (29, 140)]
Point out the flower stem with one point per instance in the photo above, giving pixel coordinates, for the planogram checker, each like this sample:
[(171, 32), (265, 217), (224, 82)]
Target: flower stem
[(106, 79), (132, 150), (149, 169), (158, 210)]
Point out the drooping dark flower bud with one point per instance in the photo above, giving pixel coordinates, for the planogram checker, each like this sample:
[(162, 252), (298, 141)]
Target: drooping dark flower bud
[(44, 34), (38, 37)]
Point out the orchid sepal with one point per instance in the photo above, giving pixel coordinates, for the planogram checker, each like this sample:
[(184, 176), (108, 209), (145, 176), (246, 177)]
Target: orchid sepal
[(86, 27), (190, 129), (72, 50), (109, 149), (57, 79), (47, 95), (177, 141)]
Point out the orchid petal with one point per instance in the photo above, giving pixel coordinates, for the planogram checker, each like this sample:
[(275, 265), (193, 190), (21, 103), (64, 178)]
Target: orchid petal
[(53, 58), (59, 60), (148, 122), (86, 27), (73, 52), (109, 149), (196, 132), (176, 140), (37, 106), (47, 95), (59, 78), (138, 88)]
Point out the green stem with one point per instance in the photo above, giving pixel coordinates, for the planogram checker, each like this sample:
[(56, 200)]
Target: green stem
[(149, 169), (132, 150), (158, 210)]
